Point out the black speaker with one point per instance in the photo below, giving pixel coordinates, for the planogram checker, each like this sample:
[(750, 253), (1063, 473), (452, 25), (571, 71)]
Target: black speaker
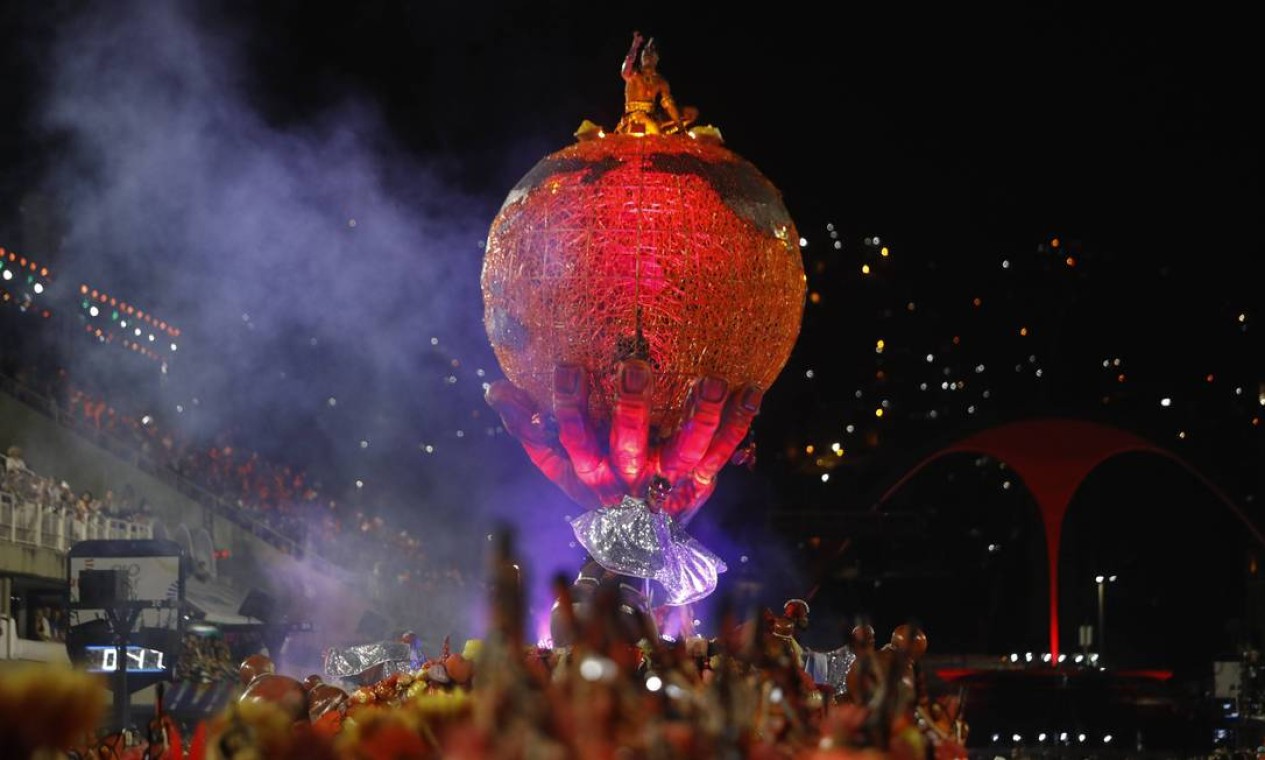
[(372, 626), (259, 606), (92, 632), (102, 588)]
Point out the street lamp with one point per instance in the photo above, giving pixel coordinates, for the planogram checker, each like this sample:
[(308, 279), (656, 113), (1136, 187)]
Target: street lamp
[(1102, 581)]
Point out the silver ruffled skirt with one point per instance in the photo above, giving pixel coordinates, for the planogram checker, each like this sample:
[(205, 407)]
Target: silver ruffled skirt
[(630, 539)]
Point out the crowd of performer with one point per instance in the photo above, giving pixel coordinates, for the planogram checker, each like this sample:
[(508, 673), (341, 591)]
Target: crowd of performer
[(204, 659), (616, 688)]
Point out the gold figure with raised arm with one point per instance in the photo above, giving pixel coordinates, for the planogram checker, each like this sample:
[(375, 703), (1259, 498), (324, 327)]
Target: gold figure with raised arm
[(648, 105)]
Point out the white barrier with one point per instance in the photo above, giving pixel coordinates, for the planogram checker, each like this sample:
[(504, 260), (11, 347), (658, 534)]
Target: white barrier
[(33, 524), (14, 647)]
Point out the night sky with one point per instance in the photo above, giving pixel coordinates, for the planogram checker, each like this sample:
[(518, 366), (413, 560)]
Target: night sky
[(304, 190)]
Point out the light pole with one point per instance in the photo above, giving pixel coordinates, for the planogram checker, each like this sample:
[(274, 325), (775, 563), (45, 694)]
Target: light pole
[(1102, 581)]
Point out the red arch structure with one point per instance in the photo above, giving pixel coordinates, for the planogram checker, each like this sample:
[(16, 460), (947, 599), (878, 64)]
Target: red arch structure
[(1052, 457)]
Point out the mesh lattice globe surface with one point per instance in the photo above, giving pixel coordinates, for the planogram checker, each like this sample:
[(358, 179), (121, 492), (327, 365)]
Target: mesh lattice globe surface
[(664, 248)]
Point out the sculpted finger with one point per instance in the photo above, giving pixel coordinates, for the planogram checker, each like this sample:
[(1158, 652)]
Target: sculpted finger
[(689, 493), (630, 420), (687, 496), (741, 410), (518, 414), (571, 408), (517, 410), (558, 469), (702, 417)]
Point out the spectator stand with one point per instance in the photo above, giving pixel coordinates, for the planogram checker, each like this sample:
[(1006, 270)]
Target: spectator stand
[(35, 512), (273, 503)]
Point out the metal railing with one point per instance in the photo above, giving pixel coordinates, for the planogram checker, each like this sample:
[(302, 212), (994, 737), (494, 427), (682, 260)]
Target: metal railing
[(147, 464), (32, 524), (299, 547)]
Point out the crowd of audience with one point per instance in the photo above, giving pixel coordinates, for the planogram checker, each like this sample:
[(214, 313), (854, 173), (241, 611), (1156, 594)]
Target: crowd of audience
[(297, 515), (50, 624), (393, 560), (58, 498)]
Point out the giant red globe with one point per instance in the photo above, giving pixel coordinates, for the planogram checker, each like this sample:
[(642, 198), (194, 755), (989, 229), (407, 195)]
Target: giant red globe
[(663, 248)]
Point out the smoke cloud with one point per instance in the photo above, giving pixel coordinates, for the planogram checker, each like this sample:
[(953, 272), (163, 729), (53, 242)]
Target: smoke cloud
[(301, 260), (325, 279)]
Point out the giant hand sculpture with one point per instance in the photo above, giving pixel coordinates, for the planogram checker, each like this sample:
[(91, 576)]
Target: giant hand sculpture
[(599, 472)]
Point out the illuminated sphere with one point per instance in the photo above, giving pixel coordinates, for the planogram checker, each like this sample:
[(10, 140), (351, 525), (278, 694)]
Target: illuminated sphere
[(915, 647), (663, 248), (254, 666), (863, 637), (282, 691)]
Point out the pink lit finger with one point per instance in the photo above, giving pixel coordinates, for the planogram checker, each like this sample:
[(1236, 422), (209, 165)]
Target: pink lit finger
[(571, 407), (518, 414), (518, 411), (558, 469), (702, 416), (630, 420), (687, 496), (741, 410)]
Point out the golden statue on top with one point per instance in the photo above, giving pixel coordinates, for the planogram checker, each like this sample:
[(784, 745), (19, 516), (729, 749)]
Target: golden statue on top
[(648, 105)]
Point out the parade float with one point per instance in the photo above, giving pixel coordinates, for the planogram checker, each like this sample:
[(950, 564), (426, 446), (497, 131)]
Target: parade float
[(642, 289)]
